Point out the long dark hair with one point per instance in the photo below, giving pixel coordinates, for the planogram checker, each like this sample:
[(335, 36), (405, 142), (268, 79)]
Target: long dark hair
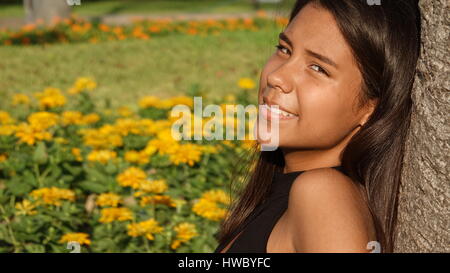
[(385, 41)]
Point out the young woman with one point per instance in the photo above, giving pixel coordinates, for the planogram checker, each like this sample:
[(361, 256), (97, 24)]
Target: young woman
[(343, 73)]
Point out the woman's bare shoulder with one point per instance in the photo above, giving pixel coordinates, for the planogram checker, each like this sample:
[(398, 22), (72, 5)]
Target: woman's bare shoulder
[(326, 213)]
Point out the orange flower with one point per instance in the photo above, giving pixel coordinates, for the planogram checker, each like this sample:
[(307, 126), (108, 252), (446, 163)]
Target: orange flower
[(103, 27), (154, 29)]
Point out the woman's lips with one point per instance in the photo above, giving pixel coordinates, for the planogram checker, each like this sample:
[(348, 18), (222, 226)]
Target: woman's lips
[(270, 113)]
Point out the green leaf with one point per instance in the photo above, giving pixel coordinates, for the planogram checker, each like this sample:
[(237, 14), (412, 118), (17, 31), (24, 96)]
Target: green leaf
[(29, 178), (17, 186), (34, 248), (95, 187), (3, 196), (74, 170), (111, 168), (40, 155)]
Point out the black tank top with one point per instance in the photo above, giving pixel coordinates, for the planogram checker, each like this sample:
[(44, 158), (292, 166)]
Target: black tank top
[(259, 224)]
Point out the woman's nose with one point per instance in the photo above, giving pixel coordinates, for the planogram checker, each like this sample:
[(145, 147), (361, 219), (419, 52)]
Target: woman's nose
[(280, 78)]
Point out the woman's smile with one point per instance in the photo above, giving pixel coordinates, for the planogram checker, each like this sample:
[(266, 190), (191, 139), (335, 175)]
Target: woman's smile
[(270, 112)]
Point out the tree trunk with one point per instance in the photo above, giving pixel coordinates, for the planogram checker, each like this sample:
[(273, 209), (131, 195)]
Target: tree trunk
[(424, 196), (45, 10)]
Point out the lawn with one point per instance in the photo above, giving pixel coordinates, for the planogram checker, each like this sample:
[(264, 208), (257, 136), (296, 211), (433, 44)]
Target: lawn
[(127, 70)]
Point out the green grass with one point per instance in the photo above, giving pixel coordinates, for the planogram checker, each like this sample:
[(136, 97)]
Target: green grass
[(156, 6), (127, 70)]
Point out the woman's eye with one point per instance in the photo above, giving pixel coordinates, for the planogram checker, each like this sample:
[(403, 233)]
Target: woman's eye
[(319, 69), (280, 48)]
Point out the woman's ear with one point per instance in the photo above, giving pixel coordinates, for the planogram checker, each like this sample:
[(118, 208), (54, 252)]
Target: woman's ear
[(368, 110)]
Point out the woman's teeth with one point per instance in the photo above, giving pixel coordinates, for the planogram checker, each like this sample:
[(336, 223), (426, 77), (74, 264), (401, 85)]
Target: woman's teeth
[(279, 111)]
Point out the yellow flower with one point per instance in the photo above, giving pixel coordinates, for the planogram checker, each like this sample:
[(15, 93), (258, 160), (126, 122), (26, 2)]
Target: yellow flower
[(103, 137), (90, 118), (217, 196), (76, 117), (164, 104), (125, 111), (35, 129), (29, 133), (51, 97), (166, 135), (131, 177), (207, 205), (115, 214), (230, 98), (246, 83), (61, 140), (81, 238), (153, 186), (164, 143), (25, 208), (137, 157), (43, 120), (81, 84), (85, 83), (132, 156), (158, 199), (182, 100), (3, 157), (158, 145), (146, 125), (185, 231), (149, 101), (209, 210), (76, 152), (151, 127), (7, 130), (101, 156), (149, 149), (146, 228), (72, 117), (126, 126), (20, 99), (5, 118), (53, 195), (185, 153), (108, 199)]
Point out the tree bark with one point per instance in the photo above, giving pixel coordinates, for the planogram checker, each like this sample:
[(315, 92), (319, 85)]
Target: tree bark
[(423, 213), (45, 10)]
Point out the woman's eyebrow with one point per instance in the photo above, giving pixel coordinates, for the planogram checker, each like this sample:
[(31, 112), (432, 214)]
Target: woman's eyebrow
[(321, 57), (285, 38), (316, 55)]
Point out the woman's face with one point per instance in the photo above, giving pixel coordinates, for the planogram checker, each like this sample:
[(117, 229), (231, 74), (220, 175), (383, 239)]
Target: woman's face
[(315, 77)]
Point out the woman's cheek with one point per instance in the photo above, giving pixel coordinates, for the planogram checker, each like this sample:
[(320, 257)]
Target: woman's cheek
[(319, 120), (262, 84)]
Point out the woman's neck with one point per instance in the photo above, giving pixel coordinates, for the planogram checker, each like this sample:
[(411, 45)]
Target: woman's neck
[(302, 160)]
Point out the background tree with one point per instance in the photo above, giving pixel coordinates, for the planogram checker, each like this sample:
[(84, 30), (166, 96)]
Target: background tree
[(424, 196)]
